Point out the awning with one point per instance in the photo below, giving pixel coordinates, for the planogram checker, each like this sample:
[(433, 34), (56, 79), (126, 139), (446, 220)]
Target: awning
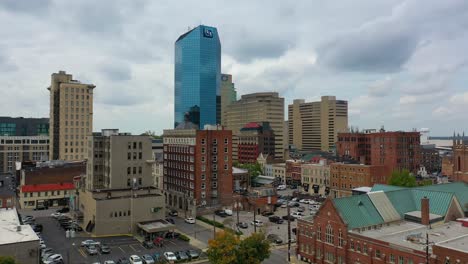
[(156, 226)]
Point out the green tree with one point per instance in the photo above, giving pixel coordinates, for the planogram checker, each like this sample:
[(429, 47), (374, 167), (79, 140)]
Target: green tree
[(151, 134), (7, 260), (228, 248), (254, 169), (402, 178)]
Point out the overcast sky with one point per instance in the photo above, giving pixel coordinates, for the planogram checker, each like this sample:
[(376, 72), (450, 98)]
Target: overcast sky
[(401, 64)]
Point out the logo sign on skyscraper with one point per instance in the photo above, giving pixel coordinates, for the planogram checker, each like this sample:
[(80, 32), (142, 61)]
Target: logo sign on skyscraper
[(208, 33)]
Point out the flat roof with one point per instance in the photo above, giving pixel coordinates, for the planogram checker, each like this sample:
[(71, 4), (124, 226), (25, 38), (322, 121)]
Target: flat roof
[(156, 226), (413, 235), (363, 189), (9, 223), (417, 214), (236, 170)]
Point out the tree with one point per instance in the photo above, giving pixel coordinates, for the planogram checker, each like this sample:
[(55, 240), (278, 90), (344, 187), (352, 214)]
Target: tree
[(228, 248), (7, 260), (254, 249), (402, 178), (223, 249), (151, 134), (254, 169)]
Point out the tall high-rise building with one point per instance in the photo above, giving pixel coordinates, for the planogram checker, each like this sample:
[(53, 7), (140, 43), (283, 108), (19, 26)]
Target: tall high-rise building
[(228, 94), (71, 117), (258, 107), (315, 125), (197, 78)]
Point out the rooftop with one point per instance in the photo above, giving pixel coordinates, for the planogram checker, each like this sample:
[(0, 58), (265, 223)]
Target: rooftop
[(236, 170), (9, 233), (413, 235)]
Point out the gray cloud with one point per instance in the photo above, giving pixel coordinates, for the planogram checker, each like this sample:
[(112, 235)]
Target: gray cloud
[(116, 72), (31, 7)]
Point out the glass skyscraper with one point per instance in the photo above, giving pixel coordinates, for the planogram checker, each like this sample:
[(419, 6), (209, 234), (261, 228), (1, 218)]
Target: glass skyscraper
[(197, 78)]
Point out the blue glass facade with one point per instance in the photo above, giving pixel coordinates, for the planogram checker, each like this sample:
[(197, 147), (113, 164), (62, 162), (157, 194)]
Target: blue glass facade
[(197, 77)]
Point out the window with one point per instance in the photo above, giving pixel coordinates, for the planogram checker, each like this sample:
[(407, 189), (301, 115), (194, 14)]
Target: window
[(203, 150), (351, 244), (203, 176), (140, 155), (134, 170), (129, 170), (203, 141), (401, 260), (140, 145), (329, 234), (140, 170), (134, 145), (225, 150), (340, 260), (329, 257), (129, 156), (226, 141), (134, 155), (358, 247), (30, 194), (203, 186), (226, 167), (215, 141), (215, 185), (128, 182), (139, 181), (25, 195), (364, 249), (377, 253), (392, 258), (340, 239), (319, 233)]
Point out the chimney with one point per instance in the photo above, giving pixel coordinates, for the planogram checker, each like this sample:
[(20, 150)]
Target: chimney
[(425, 211)]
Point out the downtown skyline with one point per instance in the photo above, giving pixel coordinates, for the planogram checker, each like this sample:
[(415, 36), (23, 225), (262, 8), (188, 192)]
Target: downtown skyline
[(398, 64)]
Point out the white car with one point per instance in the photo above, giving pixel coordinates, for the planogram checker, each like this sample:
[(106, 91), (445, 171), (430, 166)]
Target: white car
[(54, 259), (304, 201), (228, 211), (56, 215), (296, 215), (190, 220), (257, 223), (134, 259), (281, 187), (169, 256), (89, 242), (109, 262)]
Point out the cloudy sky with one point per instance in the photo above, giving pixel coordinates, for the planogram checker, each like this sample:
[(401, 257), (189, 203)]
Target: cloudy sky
[(401, 64)]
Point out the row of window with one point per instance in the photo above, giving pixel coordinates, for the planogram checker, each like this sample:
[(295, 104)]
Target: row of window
[(77, 123), (134, 156), (39, 194), (77, 110), (215, 141), (77, 143), (179, 149), (133, 145), (72, 90), (120, 214), (77, 150), (179, 174), (179, 157)]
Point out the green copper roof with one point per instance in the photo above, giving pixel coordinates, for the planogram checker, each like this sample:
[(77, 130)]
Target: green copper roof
[(357, 211), (407, 200), (386, 188), (460, 190)]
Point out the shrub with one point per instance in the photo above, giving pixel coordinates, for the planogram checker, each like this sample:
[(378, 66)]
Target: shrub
[(211, 222), (184, 238)]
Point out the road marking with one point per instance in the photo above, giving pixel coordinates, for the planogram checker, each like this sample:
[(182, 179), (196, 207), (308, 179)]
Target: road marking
[(142, 246), (171, 242), (133, 248), (82, 253), (123, 251)]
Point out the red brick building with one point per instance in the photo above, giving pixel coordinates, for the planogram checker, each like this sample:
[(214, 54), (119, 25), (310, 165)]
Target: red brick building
[(388, 225), (460, 159), (253, 139), (197, 168), (396, 150), (293, 172), (345, 177)]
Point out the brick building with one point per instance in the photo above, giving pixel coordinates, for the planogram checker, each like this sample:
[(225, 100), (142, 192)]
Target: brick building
[(430, 158), (293, 172), (447, 166), (198, 168), (345, 177), (253, 139), (460, 159), (397, 150), (388, 225)]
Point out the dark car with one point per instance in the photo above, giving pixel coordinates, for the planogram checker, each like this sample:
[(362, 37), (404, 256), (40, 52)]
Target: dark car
[(193, 254), (274, 239), (274, 218), (37, 227), (301, 209), (148, 244), (291, 218), (243, 225), (63, 210), (173, 213), (104, 249), (182, 256), (266, 213), (170, 220), (123, 261), (221, 213), (76, 227), (171, 235)]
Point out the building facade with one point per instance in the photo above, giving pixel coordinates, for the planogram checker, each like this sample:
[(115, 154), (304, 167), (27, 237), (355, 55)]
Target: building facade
[(345, 177), (315, 125), (71, 117), (396, 150), (21, 127), (197, 168), (460, 159), (22, 148), (293, 172), (7, 191), (258, 107), (253, 139), (430, 158), (197, 78), (49, 184), (228, 95), (117, 195), (315, 178)]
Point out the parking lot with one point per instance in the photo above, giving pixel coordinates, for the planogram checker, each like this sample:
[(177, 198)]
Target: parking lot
[(121, 247)]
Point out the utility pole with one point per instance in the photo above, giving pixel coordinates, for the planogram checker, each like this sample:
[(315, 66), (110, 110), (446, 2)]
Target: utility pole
[(255, 223), (289, 233), (427, 248), (238, 205)]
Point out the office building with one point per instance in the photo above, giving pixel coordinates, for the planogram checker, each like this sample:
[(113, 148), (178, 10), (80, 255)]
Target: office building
[(345, 177), (197, 169), (253, 139), (49, 184), (397, 150), (71, 117), (258, 107), (16, 240), (22, 148), (117, 195), (388, 225), (228, 95), (197, 78), (315, 125), (21, 127)]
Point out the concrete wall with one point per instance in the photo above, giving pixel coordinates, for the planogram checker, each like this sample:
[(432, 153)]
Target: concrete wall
[(24, 253)]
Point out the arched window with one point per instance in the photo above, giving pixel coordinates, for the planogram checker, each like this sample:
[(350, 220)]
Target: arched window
[(329, 234)]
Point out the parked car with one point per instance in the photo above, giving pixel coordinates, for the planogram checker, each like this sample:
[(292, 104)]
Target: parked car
[(304, 201), (158, 241), (301, 209), (228, 212), (123, 261), (294, 204), (46, 251), (47, 255), (193, 254), (171, 234), (182, 256), (297, 215), (89, 242), (275, 219), (170, 220), (190, 220), (221, 213), (173, 213), (147, 259), (243, 225), (28, 217), (257, 223), (104, 249), (56, 215), (91, 250), (284, 205), (274, 238), (37, 227), (148, 244), (169, 256), (55, 258), (290, 217), (281, 187), (266, 213), (63, 210), (134, 259), (109, 262)]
